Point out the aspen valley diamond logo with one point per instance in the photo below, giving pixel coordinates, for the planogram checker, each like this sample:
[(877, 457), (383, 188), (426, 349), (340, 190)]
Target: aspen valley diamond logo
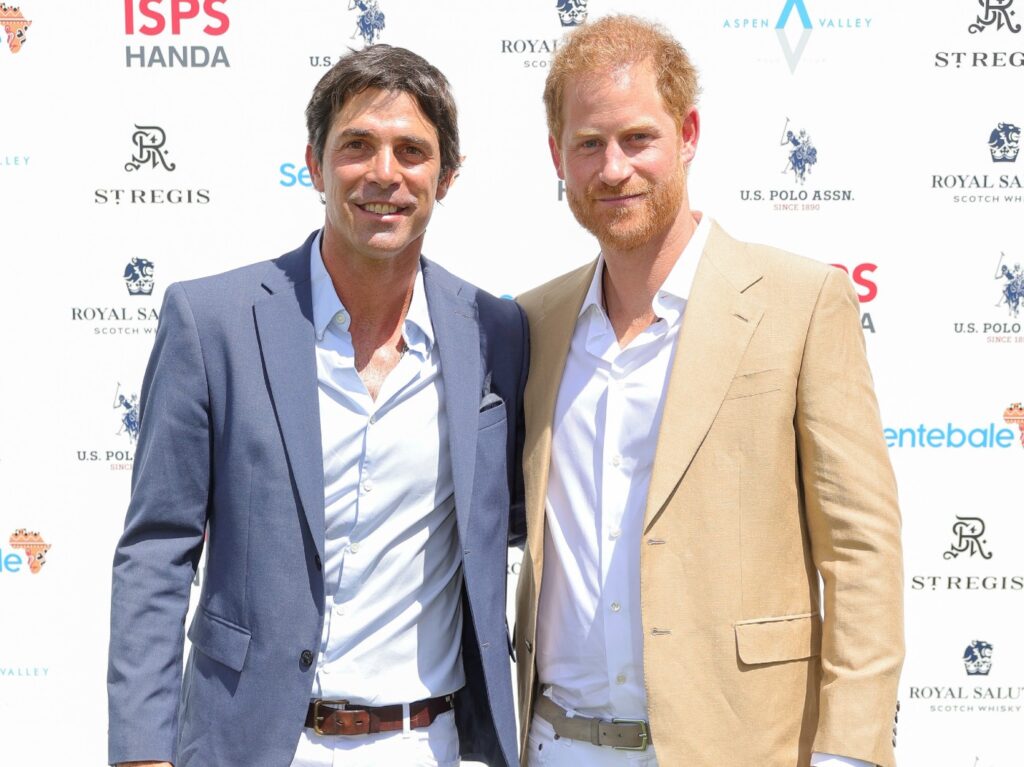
[(797, 23)]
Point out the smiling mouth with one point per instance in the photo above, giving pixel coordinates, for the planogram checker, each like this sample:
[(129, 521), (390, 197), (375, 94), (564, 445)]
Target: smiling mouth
[(621, 198), (381, 208)]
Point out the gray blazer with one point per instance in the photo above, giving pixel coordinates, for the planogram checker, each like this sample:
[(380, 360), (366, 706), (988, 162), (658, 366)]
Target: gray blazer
[(230, 440)]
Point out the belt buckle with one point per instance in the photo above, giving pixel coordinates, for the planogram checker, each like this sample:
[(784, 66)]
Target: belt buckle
[(317, 718), (645, 735)]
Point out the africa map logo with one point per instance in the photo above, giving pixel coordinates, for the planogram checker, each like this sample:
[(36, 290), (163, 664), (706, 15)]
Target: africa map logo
[(33, 545), (15, 24)]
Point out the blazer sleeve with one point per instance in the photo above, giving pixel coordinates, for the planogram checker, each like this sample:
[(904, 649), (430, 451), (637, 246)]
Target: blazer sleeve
[(517, 508), (854, 525), (157, 555)]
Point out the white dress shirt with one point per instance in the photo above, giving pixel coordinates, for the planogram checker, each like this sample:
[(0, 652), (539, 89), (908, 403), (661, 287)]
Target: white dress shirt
[(607, 416), (393, 568)]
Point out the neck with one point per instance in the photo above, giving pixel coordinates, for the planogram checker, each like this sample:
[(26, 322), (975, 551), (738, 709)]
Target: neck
[(633, 277), (375, 291)]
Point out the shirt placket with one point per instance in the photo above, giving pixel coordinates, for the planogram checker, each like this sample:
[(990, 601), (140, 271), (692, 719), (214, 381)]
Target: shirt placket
[(615, 581)]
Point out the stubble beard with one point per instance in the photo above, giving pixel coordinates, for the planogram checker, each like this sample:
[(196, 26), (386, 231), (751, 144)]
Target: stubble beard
[(627, 229)]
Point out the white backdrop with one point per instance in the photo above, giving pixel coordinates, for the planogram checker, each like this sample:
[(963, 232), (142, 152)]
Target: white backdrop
[(899, 100)]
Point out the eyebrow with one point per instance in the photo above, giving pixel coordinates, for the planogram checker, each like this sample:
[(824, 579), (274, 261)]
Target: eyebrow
[(417, 141), (642, 127)]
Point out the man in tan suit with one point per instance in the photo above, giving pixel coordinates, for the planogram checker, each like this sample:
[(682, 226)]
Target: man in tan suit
[(702, 442)]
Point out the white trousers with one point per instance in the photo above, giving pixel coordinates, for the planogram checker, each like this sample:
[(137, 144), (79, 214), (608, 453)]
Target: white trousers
[(433, 746), (544, 750)]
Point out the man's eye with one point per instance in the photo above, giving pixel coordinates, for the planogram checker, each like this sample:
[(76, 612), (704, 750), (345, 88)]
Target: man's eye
[(591, 143), (354, 144)]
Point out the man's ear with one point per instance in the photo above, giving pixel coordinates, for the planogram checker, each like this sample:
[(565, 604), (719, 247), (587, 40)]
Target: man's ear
[(315, 171), (556, 157), (689, 134), (447, 179)]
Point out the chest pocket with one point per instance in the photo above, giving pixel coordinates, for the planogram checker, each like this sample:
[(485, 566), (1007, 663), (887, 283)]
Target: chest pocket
[(760, 382)]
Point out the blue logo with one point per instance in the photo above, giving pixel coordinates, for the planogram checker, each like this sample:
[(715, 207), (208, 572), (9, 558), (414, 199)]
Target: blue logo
[(800, 8), (295, 175), (950, 436), (572, 13), (978, 658), (793, 54), (1012, 287), (1004, 143), (994, 12), (138, 277), (802, 155), (370, 22), (128, 413)]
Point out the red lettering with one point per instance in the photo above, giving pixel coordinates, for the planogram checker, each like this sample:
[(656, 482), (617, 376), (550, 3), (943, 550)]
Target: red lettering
[(151, 13), (860, 280), (220, 16), (869, 285), (182, 9), (157, 14)]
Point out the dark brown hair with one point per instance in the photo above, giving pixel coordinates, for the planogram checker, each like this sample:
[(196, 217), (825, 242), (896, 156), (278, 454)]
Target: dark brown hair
[(393, 69)]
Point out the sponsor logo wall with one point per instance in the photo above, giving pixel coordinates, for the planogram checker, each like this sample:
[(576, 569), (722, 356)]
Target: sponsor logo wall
[(153, 141)]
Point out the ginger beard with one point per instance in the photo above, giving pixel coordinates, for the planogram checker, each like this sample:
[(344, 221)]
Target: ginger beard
[(628, 228)]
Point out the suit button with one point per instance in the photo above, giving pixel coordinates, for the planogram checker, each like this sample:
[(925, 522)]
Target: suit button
[(529, 646), (306, 659), (319, 564)]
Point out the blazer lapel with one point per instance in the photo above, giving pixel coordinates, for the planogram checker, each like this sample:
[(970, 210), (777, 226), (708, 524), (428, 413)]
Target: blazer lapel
[(718, 324), (284, 323), (456, 328), (550, 337)]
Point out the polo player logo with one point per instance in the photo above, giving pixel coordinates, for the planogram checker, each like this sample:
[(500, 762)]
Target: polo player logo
[(1013, 287), (572, 13), (149, 143), (994, 12), (33, 545), (968, 532), (802, 155), (1014, 416), (138, 277), (978, 658), (128, 412), (1004, 142), (370, 22), (15, 24)]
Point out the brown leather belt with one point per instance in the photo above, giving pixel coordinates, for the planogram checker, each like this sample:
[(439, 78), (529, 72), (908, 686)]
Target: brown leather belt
[(620, 734), (334, 717)]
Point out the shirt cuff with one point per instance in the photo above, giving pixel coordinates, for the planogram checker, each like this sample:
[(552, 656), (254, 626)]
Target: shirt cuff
[(831, 760)]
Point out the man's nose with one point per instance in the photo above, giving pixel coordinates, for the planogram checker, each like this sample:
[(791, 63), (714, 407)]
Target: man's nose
[(384, 168), (617, 167)]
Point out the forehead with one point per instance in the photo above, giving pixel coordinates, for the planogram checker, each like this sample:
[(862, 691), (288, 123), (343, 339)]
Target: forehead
[(382, 111), (627, 93)]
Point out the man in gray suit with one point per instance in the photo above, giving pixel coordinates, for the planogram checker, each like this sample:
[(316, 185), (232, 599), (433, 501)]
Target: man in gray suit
[(345, 422)]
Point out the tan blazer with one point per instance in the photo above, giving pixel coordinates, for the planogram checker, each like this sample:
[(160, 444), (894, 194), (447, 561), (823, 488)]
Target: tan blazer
[(770, 468)]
